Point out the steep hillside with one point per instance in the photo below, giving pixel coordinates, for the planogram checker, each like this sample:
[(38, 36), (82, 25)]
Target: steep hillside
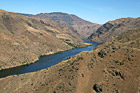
[(111, 68), (113, 28), (23, 39), (84, 28)]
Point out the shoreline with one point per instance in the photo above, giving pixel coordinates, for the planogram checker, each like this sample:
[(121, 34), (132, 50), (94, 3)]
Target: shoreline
[(38, 58)]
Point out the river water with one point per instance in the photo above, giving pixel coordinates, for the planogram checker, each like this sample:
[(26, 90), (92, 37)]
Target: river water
[(47, 61)]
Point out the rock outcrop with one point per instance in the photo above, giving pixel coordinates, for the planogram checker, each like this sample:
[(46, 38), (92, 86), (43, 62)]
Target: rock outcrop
[(111, 29)]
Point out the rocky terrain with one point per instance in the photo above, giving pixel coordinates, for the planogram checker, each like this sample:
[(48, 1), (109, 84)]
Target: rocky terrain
[(111, 68), (82, 27), (23, 39), (113, 28)]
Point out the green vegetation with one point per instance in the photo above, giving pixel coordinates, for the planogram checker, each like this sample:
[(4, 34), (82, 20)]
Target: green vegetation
[(68, 40), (80, 58), (102, 54), (69, 57), (41, 34), (40, 56), (82, 75), (117, 61), (132, 55), (23, 62), (60, 52), (122, 63), (129, 58), (12, 32), (72, 45), (27, 64)]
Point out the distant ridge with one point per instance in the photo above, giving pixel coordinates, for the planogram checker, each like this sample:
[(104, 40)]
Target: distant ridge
[(29, 15), (83, 27)]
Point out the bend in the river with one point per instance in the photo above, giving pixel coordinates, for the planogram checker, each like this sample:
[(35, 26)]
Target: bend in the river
[(47, 61)]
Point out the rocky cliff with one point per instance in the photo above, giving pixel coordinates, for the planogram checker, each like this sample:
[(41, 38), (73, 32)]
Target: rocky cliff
[(113, 28)]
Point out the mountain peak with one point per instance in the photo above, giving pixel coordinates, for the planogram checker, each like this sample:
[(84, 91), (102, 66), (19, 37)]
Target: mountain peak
[(59, 13), (83, 27)]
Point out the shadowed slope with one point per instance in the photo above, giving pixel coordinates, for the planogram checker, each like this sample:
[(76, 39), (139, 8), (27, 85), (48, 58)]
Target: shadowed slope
[(113, 28)]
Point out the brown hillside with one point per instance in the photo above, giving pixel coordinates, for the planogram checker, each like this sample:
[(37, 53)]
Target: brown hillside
[(84, 28), (113, 28), (23, 39), (111, 68)]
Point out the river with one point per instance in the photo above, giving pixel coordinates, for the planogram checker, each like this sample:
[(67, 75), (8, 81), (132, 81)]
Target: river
[(47, 61)]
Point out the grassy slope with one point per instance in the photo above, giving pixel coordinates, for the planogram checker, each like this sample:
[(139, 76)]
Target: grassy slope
[(82, 27), (114, 66), (23, 39)]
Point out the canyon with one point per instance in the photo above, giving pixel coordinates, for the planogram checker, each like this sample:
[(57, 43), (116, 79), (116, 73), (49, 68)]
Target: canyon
[(112, 67)]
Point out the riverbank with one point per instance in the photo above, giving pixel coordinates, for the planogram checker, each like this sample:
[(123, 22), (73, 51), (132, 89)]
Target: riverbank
[(35, 58), (45, 61), (111, 67)]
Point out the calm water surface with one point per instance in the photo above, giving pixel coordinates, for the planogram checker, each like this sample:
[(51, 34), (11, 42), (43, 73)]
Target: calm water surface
[(47, 61)]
